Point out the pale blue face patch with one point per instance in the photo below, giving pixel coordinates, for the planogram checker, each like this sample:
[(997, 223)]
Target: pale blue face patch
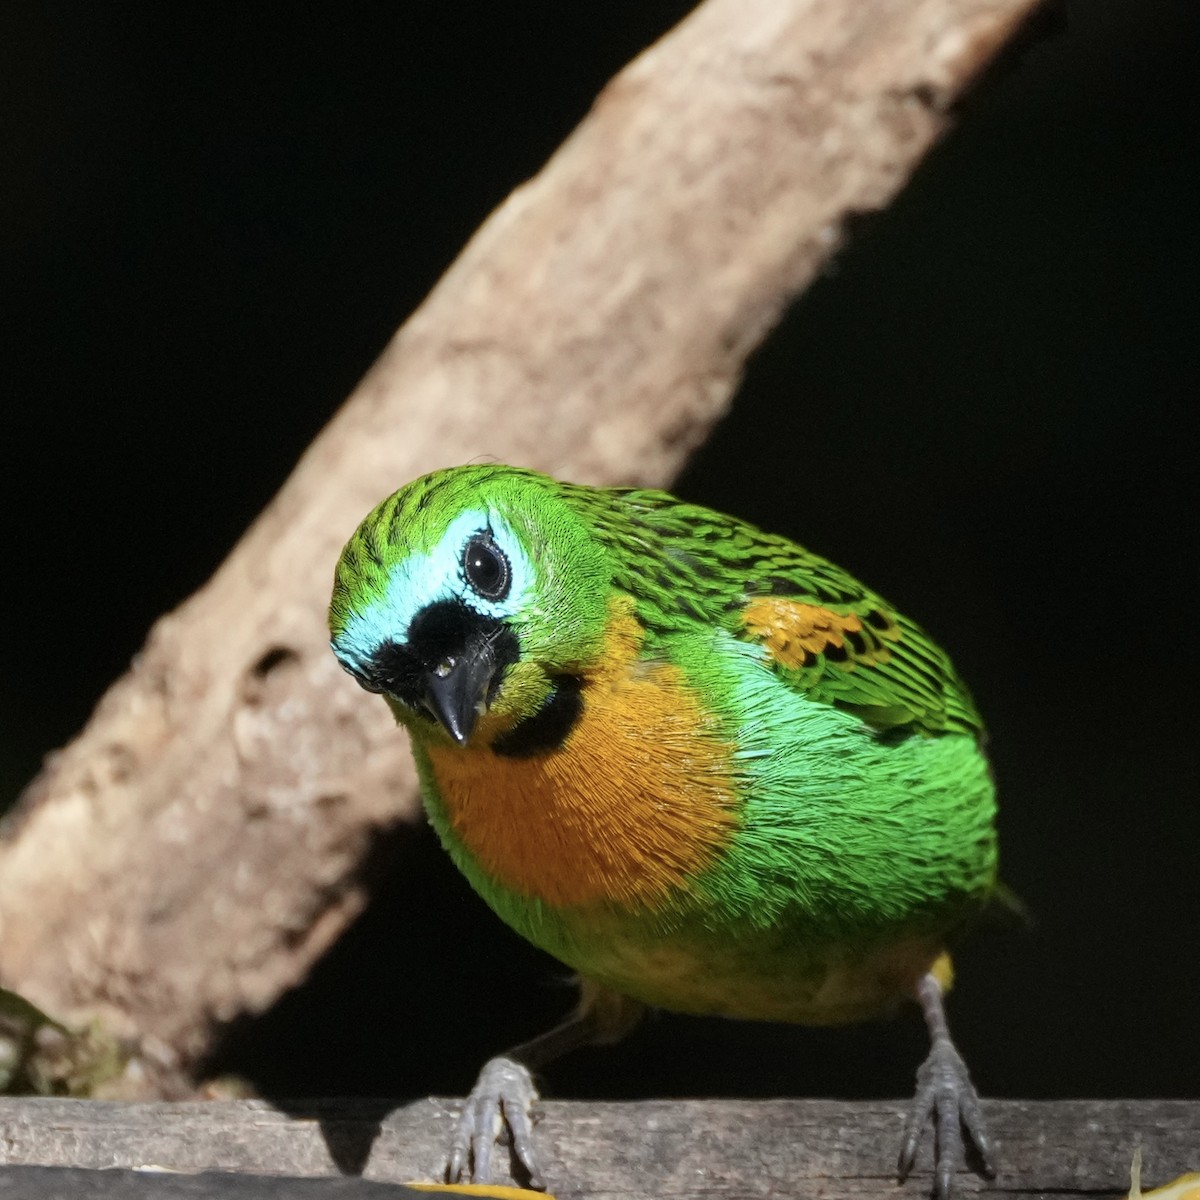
[(420, 580)]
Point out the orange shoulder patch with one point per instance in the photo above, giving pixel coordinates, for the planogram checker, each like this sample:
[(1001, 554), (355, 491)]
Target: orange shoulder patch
[(795, 633)]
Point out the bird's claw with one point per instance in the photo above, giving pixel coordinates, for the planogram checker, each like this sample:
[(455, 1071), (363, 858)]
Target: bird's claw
[(947, 1100), (501, 1101)]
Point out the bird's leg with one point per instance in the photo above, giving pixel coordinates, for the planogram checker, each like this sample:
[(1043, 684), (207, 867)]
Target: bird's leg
[(946, 1099), (503, 1098), (504, 1094)]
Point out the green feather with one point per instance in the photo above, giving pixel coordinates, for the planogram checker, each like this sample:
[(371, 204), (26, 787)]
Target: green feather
[(866, 805), (683, 563)]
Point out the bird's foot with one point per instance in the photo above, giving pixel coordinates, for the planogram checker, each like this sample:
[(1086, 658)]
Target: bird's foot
[(500, 1102), (947, 1100)]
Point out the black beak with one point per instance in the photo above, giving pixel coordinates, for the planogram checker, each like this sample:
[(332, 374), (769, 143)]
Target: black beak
[(456, 689), (451, 665)]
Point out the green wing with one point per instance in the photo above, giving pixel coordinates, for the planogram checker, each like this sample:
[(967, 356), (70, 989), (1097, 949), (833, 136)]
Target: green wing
[(822, 631)]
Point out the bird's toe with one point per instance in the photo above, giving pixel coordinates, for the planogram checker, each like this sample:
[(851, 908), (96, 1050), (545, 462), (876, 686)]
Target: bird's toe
[(500, 1102), (946, 1102)]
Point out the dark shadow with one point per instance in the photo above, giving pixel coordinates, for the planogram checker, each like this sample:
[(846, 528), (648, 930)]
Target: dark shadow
[(348, 1128)]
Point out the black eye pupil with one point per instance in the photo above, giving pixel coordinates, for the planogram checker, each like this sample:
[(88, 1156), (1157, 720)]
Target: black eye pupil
[(486, 567)]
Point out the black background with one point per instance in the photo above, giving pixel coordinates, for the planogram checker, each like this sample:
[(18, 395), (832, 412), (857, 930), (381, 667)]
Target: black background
[(214, 217)]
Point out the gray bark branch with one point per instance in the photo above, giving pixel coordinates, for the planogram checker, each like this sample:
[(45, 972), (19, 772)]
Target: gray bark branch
[(650, 1150)]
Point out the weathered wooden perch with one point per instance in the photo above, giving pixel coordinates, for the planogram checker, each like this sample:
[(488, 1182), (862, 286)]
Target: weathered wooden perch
[(199, 845), (653, 1150)]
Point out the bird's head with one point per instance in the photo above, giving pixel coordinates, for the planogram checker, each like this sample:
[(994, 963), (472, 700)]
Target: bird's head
[(467, 598)]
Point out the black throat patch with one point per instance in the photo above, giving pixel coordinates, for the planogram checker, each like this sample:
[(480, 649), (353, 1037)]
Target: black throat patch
[(550, 726)]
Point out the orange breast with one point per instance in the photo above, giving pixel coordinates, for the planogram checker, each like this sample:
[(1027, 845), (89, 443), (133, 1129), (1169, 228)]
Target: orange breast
[(639, 796)]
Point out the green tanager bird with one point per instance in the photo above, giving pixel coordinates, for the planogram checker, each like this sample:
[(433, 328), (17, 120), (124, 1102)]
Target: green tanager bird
[(707, 769)]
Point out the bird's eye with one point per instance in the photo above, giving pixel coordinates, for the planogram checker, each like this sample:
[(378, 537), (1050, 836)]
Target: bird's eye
[(486, 567)]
